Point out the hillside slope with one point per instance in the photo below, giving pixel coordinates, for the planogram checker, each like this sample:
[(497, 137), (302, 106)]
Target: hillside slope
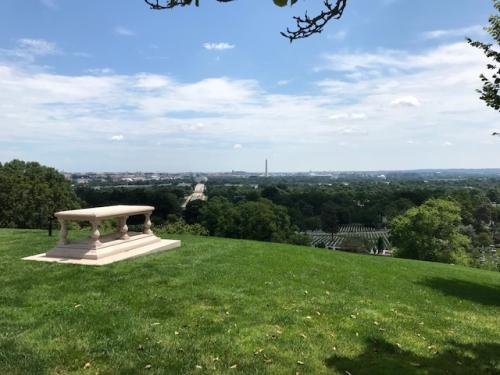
[(229, 306)]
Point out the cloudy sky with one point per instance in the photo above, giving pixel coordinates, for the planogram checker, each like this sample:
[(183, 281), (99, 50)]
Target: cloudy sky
[(112, 86)]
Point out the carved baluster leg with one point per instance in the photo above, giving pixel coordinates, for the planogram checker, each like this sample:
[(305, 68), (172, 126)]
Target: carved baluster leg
[(147, 224), (123, 228), (63, 234), (95, 235)]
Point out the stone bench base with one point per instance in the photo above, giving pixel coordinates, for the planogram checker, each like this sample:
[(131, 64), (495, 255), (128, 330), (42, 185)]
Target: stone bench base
[(111, 250)]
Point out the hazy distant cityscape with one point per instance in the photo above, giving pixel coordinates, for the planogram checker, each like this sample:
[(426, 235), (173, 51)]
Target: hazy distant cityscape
[(167, 177)]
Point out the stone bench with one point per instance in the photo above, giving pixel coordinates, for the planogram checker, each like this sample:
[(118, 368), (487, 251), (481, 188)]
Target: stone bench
[(100, 250)]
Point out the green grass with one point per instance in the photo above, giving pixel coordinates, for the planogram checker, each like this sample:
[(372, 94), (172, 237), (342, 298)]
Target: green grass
[(229, 306)]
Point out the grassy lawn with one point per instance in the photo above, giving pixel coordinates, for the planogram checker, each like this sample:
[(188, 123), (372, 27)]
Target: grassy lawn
[(229, 306)]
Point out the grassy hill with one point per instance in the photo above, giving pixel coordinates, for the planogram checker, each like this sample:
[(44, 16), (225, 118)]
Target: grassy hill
[(229, 306)]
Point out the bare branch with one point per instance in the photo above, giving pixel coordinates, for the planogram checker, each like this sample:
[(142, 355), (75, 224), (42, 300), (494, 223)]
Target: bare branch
[(306, 26)]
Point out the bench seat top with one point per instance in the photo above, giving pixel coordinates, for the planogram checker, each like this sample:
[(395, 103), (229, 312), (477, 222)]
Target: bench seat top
[(104, 212)]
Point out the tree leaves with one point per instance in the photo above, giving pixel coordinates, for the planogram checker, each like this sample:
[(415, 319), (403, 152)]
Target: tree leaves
[(283, 3)]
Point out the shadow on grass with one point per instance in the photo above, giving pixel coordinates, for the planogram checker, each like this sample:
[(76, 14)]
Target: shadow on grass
[(382, 357), (478, 293)]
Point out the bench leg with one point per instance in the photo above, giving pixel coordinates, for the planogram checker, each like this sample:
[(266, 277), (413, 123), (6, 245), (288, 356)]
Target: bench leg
[(63, 234), (95, 235), (147, 224), (123, 228)]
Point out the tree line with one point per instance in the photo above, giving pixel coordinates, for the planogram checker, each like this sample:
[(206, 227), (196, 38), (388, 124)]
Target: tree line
[(448, 221)]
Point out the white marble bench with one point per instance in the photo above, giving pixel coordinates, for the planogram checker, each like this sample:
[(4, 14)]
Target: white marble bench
[(100, 250)]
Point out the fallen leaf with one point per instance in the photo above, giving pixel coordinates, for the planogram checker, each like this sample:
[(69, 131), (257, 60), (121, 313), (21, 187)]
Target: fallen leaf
[(77, 306), (303, 336), (318, 313), (155, 324), (347, 372), (300, 363), (353, 316), (308, 317), (376, 323), (140, 347), (176, 332), (327, 292), (258, 351), (234, 366), (199, 367), (306, 292), (268, 360), (87, 365), (147, 367)]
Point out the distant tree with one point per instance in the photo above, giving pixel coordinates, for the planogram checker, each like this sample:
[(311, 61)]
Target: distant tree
[(181, 227), (329, 220), (431, 232), (271, 192), (483, 213), (264, 221), (165, 200), (483, 239), (305, 26), (218, 216), (380, 245), (192, 213), (490, 92), (30, 193)]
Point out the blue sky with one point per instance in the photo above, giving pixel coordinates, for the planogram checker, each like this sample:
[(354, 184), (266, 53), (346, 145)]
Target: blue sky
[(112, 86)]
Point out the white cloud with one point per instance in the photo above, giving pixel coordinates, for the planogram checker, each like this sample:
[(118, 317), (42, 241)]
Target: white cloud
[(152, 81), (195, 128), (283, 82), (199, 119), (447, 144), (450, 33), (218, 46), (348, 116), (237, 146), (386, 61), (27, 50), (406, 101), (123, 31), (100, 71), (118, 137), (37, 46)]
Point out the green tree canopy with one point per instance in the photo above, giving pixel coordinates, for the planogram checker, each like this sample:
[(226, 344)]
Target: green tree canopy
[(30, 193), (490, 92), (264, 221), (430, 232), (329, 220)]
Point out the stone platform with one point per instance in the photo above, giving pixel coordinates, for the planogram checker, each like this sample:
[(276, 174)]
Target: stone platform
[(107, 249)]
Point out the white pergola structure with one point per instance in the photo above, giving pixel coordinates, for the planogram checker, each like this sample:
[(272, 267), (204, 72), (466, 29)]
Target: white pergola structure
[(100, 250)]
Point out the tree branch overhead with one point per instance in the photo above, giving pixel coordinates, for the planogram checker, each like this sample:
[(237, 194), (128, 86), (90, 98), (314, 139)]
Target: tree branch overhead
[(304, 26)]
